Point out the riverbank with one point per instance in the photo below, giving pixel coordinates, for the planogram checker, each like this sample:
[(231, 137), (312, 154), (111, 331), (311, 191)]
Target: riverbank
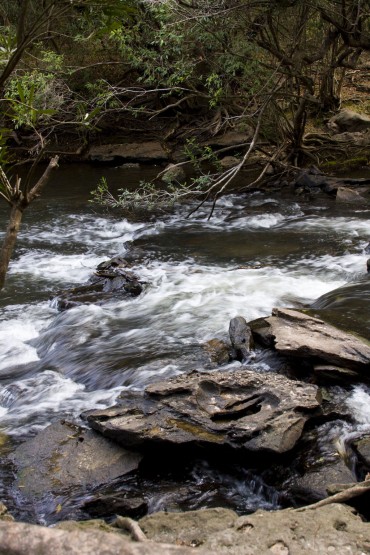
[(334, 528)]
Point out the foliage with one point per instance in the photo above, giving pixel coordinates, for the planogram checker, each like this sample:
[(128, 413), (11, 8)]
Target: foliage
[(33, 96), (5, 156), (149, 196), (210, 62), (7, 44), (198, 154)]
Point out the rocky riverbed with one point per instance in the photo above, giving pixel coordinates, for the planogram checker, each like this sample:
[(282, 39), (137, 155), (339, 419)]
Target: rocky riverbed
[(264, 420), (237, 417)]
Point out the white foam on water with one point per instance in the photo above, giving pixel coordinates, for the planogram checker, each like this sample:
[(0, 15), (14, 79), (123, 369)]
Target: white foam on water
[(347, 266), (198, 301), (182, 303), (86, 229), (222, 221), (260, 221), (359, 404), (34, 402), (16, 328), (233, 212), (352, 227), (55, 267)]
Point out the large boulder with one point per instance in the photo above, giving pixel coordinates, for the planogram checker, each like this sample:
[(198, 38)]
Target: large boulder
[(330, 529), (348, 120), (297, 334), (146, 152), (346, 194), (65, 460), (242, 409)]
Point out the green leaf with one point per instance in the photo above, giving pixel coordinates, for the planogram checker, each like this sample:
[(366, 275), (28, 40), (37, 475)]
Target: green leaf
[(21, 92)]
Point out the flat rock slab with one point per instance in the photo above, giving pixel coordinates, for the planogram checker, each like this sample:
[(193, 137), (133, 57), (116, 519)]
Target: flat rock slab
[(17, 538), (64, 456), (322, 531), (189, 528), (241, 409), (146, 152), (232, 138), (299, 335)]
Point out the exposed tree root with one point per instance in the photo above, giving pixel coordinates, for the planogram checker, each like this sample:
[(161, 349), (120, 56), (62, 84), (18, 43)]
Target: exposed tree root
[(131, 526), (341, 497)]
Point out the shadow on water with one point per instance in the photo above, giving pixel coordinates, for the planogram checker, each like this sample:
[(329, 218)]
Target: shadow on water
[(347, 307)]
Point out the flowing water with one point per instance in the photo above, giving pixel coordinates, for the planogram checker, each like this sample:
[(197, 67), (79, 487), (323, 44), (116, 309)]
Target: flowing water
[(257, 252)]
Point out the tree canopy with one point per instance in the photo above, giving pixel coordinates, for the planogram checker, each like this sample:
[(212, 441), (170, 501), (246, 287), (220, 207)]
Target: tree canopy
[(185, 70)]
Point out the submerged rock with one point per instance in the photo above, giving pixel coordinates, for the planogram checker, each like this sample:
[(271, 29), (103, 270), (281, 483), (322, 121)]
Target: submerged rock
[(230, 139), (112, 280), (229, 162), (321, 463), (116, 504), (296, 334), (242, 409), (4, 515)]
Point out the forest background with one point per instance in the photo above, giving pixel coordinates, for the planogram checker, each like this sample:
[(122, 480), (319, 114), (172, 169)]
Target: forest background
[(74, 72)]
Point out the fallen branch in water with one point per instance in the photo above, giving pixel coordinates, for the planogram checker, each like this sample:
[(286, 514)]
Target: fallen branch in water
[(341, 497)]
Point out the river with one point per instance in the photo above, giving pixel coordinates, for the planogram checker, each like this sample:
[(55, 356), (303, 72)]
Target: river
[(258, 251)]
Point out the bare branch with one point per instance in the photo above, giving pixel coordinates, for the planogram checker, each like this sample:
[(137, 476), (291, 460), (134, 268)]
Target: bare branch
[(36, 189), (341, 497)]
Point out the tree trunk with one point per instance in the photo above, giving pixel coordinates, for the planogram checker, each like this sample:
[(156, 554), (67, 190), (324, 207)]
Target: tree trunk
[(10, 238), (19, 202)]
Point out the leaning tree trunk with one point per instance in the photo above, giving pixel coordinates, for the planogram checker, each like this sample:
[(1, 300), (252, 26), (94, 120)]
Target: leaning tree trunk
[(19, 201), (9, 240)]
